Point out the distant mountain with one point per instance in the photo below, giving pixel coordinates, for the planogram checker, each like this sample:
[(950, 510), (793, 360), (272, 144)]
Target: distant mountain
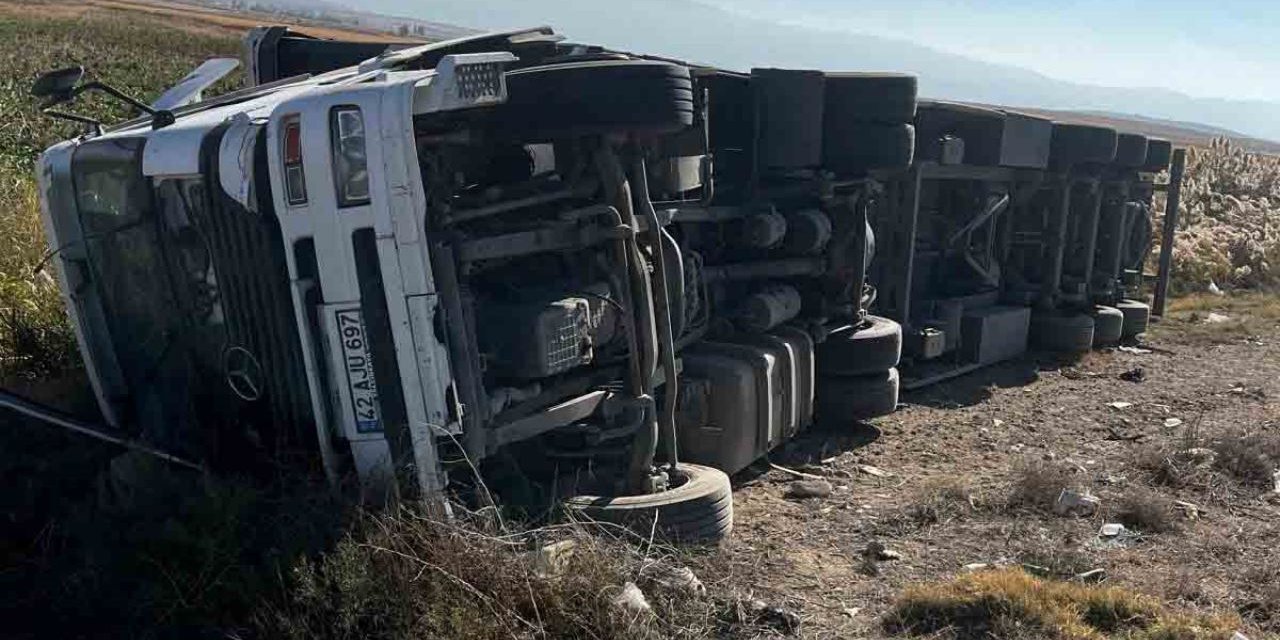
[(692, 30)]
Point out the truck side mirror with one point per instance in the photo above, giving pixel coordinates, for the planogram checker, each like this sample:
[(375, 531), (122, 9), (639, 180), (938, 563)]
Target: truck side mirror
[(57, 86)]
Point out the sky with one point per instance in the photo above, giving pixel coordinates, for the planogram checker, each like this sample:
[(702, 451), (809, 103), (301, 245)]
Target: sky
[(1205, 48), (1202, 48)]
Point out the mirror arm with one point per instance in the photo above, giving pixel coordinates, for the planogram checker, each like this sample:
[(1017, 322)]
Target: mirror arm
[(85, 120), (106, 88)]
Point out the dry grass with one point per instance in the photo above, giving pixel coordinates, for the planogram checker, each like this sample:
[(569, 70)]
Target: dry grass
[(409, 576), (1229, 223), (1253, 459), (937, 502), (1013, 604), (1247, 313), (1145, 511), (1259, 588), (1037, 485), (1216, 465)]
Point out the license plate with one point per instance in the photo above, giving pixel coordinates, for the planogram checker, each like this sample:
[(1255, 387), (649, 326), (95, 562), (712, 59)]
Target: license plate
[(359, 367)]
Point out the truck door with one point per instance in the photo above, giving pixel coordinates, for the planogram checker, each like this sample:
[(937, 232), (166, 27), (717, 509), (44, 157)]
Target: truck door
[(274, 53)]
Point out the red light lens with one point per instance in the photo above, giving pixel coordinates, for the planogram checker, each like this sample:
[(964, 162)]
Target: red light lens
[(292, 143)]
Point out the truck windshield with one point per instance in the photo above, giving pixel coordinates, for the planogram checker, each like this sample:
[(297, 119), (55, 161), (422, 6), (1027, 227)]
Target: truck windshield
[(152, 271), (116, 211)]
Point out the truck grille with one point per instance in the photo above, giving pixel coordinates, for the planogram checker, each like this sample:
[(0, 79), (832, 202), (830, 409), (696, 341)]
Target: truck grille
[(248, 256)]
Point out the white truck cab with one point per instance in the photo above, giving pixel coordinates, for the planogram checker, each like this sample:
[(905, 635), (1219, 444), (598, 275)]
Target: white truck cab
[(347, 206)]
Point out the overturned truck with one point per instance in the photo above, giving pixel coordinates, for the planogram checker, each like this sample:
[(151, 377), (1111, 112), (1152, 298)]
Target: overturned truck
[(562, 274)]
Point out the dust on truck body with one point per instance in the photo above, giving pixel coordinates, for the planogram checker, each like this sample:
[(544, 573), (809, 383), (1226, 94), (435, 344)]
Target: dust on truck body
[(503, 263)]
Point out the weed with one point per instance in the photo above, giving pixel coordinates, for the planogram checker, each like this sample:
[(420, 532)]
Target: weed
[(1013, 604), (1038, 485), (1145, 511), (1250, 458), (938, 501)]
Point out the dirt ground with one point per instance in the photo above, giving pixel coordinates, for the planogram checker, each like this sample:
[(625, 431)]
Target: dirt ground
[(954, 454)]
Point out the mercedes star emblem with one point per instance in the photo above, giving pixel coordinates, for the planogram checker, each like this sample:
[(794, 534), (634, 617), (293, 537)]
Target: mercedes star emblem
[(243, 373)]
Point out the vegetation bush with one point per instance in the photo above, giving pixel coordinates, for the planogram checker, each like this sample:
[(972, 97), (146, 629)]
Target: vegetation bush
[(1013, 604), (1229, 220)]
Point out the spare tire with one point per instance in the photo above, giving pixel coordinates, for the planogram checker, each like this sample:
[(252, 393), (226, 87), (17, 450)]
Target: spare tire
[(841, 400), (698, 509), (850, 146), (873, 347), (1131, 150), (600, 96), (888, 98), (1137, 315), (1082, 143), (1065, 332), (1159, 152)]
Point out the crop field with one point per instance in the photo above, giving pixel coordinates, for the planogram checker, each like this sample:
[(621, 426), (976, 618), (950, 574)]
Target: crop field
[(980, 554)]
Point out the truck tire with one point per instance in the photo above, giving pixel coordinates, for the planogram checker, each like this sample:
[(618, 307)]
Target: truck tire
[(841, 400), (600, 96), (1108, 326), (1081, 143), (1137, 315), (870, 348), (1159, 152), (789, 105), (699, 510), (888, 98), (1067, 333), (851, 146), (1131, 150)]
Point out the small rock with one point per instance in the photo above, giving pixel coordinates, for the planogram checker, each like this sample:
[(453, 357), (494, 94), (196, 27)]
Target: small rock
[(1137, 351), (1076, 503), (773, 616), (1214, 289), (813, 469), (1275, 479), (1036, 570), (1190, 510), (1170, 423), (1199, 456), (675, 579), (631, 600), (1136, 374), (877, 551), (1119, 405), (852, 612), (871, 471), (1216, 318), (1239, 636), (805, 489), (976, 566), (997, 422), (551, 559), (1050, 456), (1111, 530), (1092, 576)]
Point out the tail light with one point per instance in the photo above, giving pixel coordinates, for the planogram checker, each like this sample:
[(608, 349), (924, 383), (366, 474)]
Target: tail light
[(295, 181)]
